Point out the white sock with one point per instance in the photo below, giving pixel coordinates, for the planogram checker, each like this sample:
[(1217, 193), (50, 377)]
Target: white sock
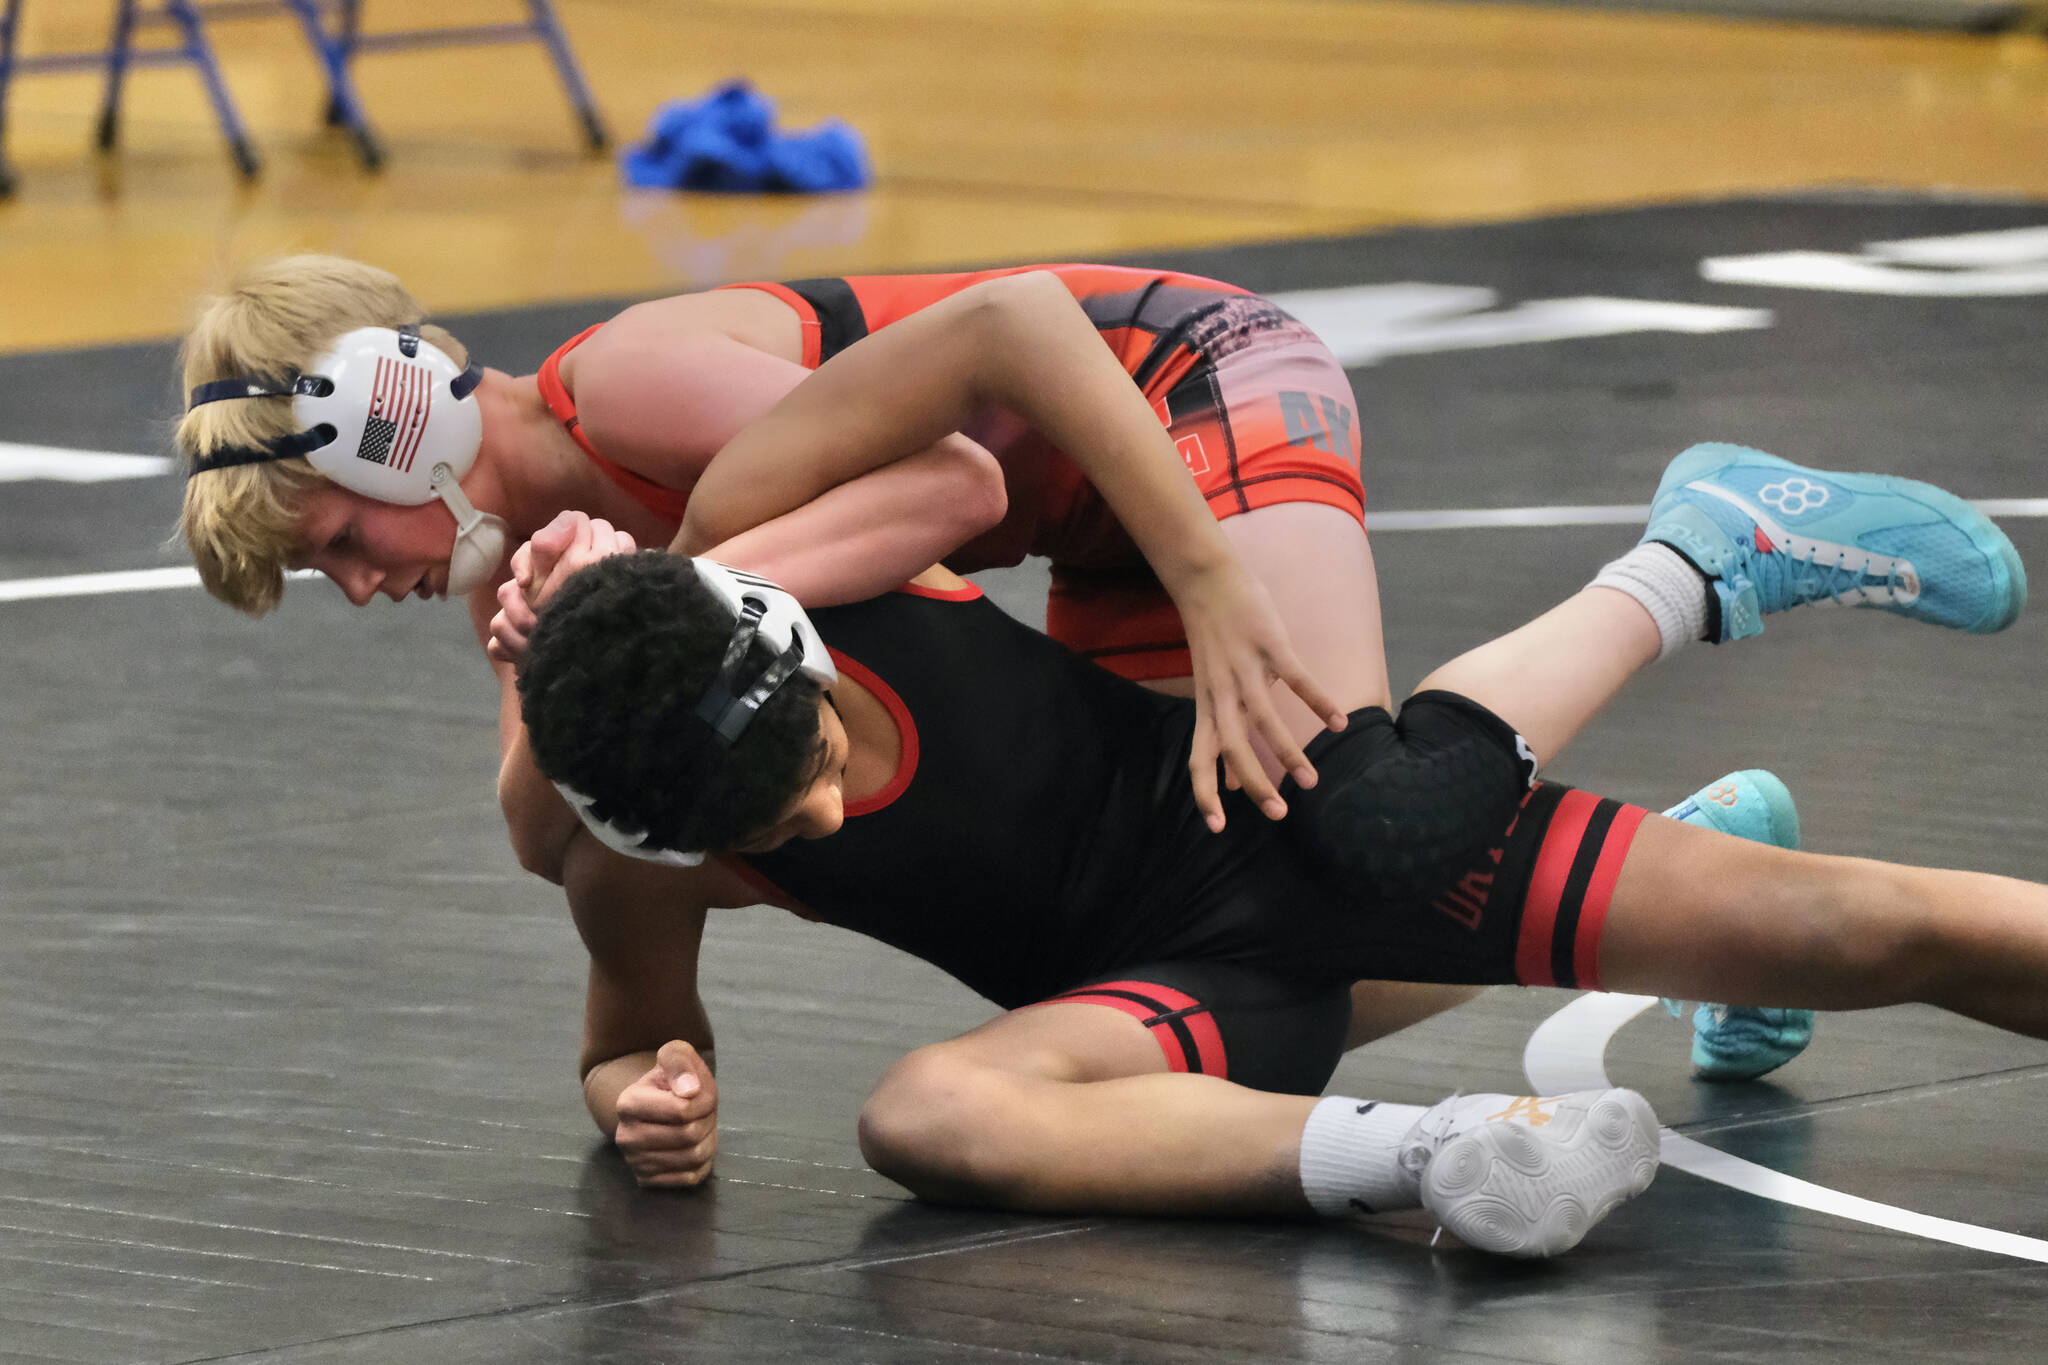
[(1350, 1157), (1669, 588)]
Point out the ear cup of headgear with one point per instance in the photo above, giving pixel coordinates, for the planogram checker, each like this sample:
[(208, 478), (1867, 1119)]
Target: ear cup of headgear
[(397, 407), (782, 620)]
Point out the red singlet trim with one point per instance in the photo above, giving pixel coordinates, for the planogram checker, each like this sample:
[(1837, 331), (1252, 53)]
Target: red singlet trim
[(664, 502), (968, 593), (805, 314), (1546, 887), (771, 894), (906, 733), (1157, 1008), (1599, 892)]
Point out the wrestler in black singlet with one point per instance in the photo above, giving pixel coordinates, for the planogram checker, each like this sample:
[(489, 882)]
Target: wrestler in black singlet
[(1048, 832), (1047, 843)]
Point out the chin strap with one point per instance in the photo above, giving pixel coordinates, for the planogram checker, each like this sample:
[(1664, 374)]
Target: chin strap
[(481, 539)]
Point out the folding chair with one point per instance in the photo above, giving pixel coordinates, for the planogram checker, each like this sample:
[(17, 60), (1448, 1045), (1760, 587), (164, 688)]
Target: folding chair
[(337, 47), (118, 55)]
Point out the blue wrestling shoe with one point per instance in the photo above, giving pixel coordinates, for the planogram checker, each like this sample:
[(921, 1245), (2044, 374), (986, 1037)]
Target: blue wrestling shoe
[(1751, 804), (1740, 1042), (1743, 1042), (1772, 535)]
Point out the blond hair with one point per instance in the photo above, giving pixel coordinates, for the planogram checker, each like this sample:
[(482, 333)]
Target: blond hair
[(273, 319)]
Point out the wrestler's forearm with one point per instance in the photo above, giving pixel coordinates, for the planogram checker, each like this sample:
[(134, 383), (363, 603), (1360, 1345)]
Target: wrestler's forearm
[(537, 819), (1018, 342), (605, 1082), (1043, 360), (874, 533), (932, 497)]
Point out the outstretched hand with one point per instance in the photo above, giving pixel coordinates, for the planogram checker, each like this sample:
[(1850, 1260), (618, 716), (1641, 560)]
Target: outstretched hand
[(668, 1120), (540, 566), (1239, 648)]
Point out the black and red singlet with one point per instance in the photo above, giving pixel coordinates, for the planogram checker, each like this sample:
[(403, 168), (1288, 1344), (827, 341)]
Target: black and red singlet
[(1041, 831), (1040, 828)]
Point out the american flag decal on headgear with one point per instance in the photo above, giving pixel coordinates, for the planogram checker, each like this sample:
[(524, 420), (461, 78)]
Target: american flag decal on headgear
[(399, 401)]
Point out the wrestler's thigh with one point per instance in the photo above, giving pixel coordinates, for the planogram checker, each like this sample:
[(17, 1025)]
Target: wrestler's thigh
[(1380, 1008), (1701, 915), (1316, 563), (1262, 1029), (1059, 1042)]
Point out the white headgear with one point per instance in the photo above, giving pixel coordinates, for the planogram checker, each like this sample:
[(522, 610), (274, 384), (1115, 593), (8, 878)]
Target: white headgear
[(388, 415), (760, 609)]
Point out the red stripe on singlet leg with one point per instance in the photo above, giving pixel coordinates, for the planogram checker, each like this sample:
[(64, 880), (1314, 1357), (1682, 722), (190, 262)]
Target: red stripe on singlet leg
[(1209, 1057), (1176, 1055), (1546, 887), (1593, 910), (1167, 997), (1208, 1043)]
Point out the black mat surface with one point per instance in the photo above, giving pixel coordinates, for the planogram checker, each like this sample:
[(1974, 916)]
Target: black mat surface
[(287, 1040)]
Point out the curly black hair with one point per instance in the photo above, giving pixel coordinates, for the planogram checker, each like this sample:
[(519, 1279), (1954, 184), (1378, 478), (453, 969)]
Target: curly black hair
[(609, 692)]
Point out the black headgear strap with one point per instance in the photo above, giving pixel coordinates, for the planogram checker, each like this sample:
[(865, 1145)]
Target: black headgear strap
[(257, 386), (276, 448), (727, 710), (724, 707), (296, 386)]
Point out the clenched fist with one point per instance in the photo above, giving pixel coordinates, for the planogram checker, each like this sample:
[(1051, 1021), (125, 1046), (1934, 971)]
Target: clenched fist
[(668, 1120)]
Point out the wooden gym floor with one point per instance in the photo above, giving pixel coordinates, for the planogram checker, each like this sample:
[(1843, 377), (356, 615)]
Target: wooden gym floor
[(1001, 132), (286, 1040)]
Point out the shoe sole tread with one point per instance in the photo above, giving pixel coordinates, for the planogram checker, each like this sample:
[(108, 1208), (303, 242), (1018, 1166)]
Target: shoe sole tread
[(1504, 1188)]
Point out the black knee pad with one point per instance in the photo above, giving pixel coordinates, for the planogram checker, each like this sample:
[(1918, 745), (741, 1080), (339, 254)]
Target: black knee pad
[(1404, 806)]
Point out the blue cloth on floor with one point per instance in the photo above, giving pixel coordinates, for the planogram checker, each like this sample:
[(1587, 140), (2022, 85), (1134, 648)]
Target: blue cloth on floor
[(727, 141)]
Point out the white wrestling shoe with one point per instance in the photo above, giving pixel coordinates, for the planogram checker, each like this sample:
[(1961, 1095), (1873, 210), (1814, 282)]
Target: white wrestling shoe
[(1524, 1176)]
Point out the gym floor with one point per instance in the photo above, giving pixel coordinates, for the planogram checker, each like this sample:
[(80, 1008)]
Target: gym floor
[(288, 1064)]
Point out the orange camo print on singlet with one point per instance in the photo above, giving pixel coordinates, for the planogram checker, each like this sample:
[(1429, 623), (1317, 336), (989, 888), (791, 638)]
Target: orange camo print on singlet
[(1259, 411)]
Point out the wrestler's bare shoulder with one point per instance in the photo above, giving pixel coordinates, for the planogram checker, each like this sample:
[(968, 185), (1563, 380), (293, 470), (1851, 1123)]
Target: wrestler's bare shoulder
[(664, 385), (752, 317)]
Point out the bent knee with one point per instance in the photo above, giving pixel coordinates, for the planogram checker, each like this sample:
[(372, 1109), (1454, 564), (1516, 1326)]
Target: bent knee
[(942, 1126), (1850, 929), (1893, 940)]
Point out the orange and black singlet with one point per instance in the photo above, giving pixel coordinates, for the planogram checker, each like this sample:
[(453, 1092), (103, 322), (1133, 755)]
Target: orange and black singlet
[(1145, 316), (1257, 408), (657, 498)]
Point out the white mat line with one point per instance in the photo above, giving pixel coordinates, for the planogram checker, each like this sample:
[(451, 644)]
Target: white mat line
[(1568, 1052), (1445, 519), (21, 462), (93, 584), (101, 584), (1482, 518)]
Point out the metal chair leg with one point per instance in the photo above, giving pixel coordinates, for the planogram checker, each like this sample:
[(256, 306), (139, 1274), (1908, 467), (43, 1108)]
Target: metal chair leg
[(119, 44), (351, 25), (9, 14), (550, 30), (200, 54), (344, 105)]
